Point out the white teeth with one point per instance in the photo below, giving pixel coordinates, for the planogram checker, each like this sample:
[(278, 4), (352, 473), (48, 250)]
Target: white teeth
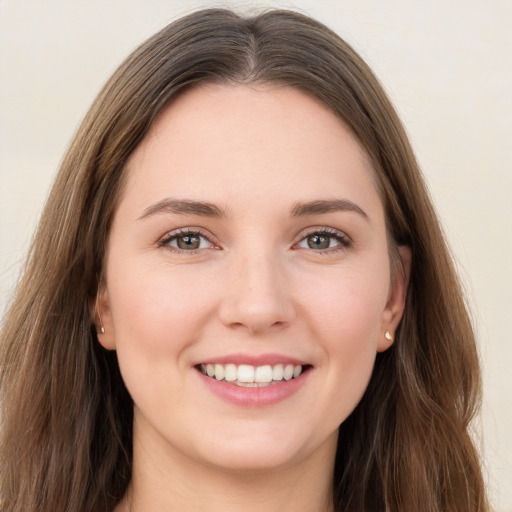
[(251, 376), (288, 371), (246, 373), (278, 372), (219, 371), (263, 373), (231, 372)]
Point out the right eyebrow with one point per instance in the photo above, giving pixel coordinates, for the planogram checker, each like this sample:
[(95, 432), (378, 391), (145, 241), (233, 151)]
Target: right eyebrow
[(321, 206), (183, 207)]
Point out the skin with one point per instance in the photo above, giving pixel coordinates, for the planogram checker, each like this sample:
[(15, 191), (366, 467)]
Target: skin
[(254, 286)]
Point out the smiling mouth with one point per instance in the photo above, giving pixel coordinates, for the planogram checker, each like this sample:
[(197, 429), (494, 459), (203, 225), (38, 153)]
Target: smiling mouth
[(245, 375)]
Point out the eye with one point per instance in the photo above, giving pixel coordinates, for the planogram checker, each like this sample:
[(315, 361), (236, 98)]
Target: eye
[(186, 241), (324, 240)]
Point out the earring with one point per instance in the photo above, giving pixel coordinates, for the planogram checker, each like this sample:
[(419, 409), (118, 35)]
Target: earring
[(388, 336), (101, 331)]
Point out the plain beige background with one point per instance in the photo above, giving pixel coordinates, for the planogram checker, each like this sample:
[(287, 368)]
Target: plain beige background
[(447, 65)]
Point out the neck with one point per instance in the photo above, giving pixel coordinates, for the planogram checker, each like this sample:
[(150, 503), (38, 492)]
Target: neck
[(170, 481)]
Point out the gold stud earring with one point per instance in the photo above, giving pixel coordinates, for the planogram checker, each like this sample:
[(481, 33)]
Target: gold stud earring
[(101, 331), (388, 336)]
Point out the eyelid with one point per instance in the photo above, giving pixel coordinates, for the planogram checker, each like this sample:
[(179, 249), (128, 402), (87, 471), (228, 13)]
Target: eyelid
[(344, 240), (189, 230)]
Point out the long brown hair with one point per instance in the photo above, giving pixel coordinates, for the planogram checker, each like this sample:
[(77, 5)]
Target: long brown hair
[(66, 416)]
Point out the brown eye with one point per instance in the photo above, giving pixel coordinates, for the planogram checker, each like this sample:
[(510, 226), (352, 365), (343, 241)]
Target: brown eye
[(317, 241), (188, 242), (323, 241)]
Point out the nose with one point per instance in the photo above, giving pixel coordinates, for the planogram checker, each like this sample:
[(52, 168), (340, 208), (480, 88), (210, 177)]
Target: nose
[(256, 296)]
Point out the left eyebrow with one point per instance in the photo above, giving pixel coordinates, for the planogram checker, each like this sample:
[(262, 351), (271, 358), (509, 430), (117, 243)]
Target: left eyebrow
[(326, 206), (183, 207)]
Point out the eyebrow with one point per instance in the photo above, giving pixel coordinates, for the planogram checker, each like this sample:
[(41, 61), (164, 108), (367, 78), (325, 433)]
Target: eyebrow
[(183, 207), (206, 209), (326, 206)]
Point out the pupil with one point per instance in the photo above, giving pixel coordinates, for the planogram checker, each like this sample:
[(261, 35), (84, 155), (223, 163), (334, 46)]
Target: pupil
[(188, 242), (318, 242)]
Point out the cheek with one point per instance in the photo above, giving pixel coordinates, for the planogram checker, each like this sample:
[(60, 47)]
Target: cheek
[(160, 306), (157, 312), (347, 307), (350, 334), (345, 319)]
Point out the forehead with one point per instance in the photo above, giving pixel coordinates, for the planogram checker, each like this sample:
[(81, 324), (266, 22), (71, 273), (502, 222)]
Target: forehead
[(221, 141)]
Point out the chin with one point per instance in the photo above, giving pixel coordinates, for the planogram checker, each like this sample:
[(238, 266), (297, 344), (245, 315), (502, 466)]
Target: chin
[(262, 452), (251, 461)]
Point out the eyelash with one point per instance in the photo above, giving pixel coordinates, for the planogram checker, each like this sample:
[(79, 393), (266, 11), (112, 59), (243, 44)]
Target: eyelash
[(343, 242), (165, 242)]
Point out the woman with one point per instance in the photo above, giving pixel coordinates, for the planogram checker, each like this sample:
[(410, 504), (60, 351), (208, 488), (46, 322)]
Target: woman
[(239, 296)]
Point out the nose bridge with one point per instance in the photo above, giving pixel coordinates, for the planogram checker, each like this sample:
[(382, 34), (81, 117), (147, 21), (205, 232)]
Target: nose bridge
[(256, 295)]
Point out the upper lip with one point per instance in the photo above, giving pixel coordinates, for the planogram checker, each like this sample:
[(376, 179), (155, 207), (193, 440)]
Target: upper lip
[(253, 360)]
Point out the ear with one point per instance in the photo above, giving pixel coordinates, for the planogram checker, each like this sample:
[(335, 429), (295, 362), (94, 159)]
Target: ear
[(396, 300), (101, 313)]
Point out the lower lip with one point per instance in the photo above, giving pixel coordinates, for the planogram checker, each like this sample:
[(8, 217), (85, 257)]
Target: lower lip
[(254, 397)]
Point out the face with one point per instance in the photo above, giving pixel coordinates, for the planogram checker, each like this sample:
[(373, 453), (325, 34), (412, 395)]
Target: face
[(248, 284)]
